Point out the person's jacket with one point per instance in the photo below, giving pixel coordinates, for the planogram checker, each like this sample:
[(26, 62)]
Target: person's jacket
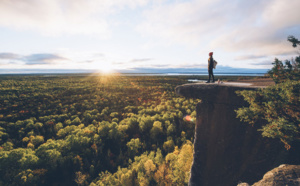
[(210, 63)]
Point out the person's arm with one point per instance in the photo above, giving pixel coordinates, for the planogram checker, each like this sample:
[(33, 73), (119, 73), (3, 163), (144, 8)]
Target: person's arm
[(208, 63)]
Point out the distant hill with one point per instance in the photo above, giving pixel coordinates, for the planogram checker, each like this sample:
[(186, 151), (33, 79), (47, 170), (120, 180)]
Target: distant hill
[(220, 70)]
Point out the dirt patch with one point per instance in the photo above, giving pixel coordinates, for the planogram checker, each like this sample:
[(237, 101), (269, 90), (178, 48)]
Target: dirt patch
[(258, 82)]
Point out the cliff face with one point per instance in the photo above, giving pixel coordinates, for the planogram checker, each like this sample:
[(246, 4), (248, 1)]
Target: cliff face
[(227, 151)]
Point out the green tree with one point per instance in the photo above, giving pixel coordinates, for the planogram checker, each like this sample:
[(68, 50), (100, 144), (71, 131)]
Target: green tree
[(278, 107), (294, 40), (289, 70), (76, 121), (156, 130), (50, 152), (180, 162), (36, 140), (169, 146), (67, 129), (133, 146)]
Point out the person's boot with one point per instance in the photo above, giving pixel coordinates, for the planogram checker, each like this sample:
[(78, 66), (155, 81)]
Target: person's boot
[(207, 81)]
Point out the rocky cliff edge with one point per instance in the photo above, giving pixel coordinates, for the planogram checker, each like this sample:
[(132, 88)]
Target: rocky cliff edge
[(226, 151)]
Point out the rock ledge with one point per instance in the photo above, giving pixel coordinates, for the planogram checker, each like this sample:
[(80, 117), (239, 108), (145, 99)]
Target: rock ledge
[(227, 151)]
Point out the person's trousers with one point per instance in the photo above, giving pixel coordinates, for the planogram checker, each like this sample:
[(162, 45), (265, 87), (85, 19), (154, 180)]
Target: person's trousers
[(210, 73)]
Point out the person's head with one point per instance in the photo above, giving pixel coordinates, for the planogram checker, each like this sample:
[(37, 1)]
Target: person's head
[(211, 53)]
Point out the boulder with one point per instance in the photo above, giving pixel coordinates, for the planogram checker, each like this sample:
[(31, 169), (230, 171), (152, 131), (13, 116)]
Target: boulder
[(280, 176)]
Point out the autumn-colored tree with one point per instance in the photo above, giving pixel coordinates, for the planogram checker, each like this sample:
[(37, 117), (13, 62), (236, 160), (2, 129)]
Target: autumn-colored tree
[(67, 129), (277, 107), (133, 146), (289, 70)]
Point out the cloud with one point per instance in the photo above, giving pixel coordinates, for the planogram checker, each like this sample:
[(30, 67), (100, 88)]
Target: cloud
[(250, 57), (263, 63), (195, 65), (257, 57), (45, 58), (87, 61), (9, 56), (256, 27), (9, 59), (32, 59), (56, 17), (45, 71), (132, 63), (98, 55), (140, 60), (183, 22), (263, 31), (158, 66)]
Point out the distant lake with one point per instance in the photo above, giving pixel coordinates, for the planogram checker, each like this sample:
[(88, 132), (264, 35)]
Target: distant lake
[(194, 74), (135, 74)]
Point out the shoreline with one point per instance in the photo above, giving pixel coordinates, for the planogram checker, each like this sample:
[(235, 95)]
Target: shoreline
[(135, 74)]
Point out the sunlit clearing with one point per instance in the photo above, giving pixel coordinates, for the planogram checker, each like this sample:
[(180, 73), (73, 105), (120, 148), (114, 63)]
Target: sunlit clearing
[(107, 78)]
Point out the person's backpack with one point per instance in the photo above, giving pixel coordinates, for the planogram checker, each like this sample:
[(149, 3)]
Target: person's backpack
[(215, 64)]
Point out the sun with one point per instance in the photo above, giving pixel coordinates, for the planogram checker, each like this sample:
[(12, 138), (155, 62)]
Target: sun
[(105, 68)]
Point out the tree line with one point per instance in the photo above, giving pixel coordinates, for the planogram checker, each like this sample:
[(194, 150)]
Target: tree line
[(94, 130)]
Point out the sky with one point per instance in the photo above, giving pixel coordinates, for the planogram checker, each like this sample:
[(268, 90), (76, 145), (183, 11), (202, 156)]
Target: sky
[(116, 35)]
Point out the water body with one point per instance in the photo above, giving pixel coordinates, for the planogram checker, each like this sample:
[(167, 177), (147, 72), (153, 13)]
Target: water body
[(133, 74), (194, 74)]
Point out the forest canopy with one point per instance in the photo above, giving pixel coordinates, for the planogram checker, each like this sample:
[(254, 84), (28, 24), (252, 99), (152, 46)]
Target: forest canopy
[(94, 130)]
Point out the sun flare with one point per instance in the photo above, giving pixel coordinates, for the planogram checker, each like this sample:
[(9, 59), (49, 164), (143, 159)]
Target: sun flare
[(105, 68)]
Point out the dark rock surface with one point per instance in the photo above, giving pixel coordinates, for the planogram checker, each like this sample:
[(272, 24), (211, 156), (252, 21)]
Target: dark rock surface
[(227, 151), (280, 176)]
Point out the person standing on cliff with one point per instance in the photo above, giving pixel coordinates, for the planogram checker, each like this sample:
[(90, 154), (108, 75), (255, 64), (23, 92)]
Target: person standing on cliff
[(211, 65)]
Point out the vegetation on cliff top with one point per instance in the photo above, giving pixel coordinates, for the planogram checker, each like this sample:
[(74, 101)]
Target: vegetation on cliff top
[(277, 107)]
